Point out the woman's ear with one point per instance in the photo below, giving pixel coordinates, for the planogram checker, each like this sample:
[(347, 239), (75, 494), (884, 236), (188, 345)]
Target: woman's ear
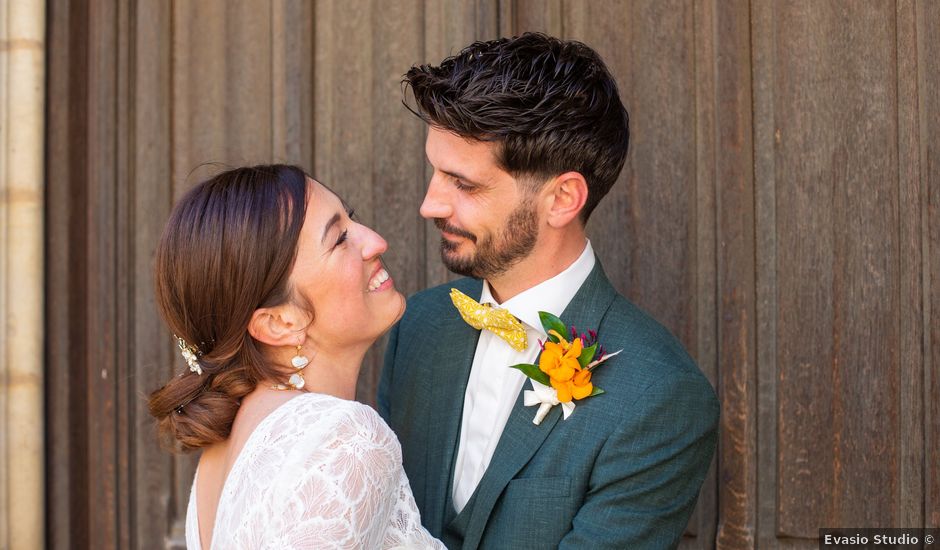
[(278, 326), (569, 192)]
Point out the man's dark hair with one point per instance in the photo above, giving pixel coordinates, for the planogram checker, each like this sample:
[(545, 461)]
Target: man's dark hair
[(551, 106)]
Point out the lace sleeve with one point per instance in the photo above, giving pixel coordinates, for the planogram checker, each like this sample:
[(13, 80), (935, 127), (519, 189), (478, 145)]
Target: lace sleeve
[(346, 489), (405, 530)]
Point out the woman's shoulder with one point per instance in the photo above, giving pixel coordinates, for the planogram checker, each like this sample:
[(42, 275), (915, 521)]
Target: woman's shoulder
[(311, 456), (340, 420), (326, 408), (318, 440)]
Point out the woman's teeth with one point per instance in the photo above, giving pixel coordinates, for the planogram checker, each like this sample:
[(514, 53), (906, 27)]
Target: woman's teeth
[(377, 281)]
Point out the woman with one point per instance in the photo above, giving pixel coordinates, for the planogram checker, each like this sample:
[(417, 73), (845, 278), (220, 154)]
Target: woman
[(275, 294)]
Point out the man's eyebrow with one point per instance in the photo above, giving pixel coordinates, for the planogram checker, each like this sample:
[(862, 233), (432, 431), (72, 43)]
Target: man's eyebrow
[(459, 176), (336, 217)]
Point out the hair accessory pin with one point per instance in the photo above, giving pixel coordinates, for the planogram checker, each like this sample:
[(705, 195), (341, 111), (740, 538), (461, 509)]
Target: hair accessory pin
[(190, 354)]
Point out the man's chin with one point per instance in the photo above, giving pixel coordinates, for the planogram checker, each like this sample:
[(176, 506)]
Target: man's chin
[(459, 264)]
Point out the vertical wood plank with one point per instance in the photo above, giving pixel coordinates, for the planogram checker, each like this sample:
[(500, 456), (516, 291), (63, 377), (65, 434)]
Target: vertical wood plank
[(248, 82), (928, 45), (837, 214), (804, 240), (150, 180), (292, 82), (198, 88), (67, 517), (124, 276), (736, 290), (548, 16), (101, 330), (911, 299), (222, 108), (343, 106), (705, 518), (763, 55), (507, 18)]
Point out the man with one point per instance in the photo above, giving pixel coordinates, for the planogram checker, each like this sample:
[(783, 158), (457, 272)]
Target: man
[(526, 136)]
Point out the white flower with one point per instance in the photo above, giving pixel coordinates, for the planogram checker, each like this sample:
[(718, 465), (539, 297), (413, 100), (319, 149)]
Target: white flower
[(545, 397)]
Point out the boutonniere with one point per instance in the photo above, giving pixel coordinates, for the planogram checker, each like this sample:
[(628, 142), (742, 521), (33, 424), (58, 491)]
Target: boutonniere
[(563, 372)]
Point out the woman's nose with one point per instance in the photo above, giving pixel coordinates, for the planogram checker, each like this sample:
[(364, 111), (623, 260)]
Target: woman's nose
[(372, 244)]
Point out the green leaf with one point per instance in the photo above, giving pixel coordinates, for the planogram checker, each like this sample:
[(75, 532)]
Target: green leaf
[(587, 354), (597, 391), (550, 322), (533, 372)]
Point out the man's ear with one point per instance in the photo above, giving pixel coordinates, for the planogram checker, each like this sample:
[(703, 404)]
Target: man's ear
[(568, 193), (278, 326)]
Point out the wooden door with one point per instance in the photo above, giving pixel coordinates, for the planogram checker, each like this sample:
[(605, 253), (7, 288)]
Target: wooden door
[(778, 212)]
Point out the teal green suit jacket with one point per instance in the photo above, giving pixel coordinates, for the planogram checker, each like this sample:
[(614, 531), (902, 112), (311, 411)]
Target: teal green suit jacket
[(623, 471)]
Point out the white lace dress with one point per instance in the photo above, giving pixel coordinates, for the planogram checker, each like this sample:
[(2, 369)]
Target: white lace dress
[(317, 472)]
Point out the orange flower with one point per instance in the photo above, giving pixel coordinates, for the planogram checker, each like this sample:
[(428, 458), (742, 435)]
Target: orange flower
[(560, 362), (582, 386), (578, 387)]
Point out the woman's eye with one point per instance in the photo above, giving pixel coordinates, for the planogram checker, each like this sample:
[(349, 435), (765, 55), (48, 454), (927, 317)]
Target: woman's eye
[(342, 238), (351, 213)]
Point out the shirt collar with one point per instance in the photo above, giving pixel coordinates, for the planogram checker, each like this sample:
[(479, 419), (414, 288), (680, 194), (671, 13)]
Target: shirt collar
[(552, 295)]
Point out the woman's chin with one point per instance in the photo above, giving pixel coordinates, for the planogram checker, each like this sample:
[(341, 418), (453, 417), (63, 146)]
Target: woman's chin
[(398, 313), (383, 317)]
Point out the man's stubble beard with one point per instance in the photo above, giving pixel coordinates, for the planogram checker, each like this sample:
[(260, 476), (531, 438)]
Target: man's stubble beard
[(498, 253)]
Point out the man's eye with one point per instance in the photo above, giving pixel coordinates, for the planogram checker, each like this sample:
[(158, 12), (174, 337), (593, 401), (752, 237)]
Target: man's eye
[(462, 186)]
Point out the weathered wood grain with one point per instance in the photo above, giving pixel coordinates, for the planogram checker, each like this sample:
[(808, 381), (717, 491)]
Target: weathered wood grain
[(837, 266), (149, 179), (543, 16), (763, 55), (736, 310), (704, 520), (928, 45), (222, 92), (101, 323), (292, 67), (911, 299)]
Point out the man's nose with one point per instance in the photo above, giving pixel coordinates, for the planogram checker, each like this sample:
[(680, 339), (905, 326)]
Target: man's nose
[(436, 203)]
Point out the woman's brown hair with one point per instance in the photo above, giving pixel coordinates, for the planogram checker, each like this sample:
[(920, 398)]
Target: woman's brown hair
[(227, 250)]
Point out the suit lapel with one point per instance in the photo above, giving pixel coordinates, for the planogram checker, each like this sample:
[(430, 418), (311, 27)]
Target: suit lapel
[(451, 358), (521, 438)]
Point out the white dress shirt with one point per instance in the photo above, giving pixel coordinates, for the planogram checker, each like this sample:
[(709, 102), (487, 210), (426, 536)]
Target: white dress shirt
[(493, 387)]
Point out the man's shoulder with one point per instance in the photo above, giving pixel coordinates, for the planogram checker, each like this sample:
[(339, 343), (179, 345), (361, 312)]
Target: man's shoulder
[(653, 360)]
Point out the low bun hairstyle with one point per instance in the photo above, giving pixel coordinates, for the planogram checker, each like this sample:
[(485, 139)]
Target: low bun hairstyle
[(227, 250)]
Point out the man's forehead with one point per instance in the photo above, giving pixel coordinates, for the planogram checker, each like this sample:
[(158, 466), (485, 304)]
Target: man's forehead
[(451, 153)]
